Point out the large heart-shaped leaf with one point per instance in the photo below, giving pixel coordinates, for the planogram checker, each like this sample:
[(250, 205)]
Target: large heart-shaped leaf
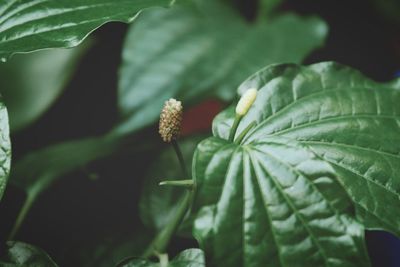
[(5, 148), (320, 130), (34, 81), (22, 254), (272, 202), (30, 25), (194, 52), (347, 119)]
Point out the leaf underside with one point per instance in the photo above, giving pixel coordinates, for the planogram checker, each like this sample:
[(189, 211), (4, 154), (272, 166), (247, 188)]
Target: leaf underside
[(30, 25), (326, 141)]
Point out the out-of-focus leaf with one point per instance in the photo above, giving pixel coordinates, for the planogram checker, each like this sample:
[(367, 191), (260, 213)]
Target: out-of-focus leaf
[(113, 249), (32, 82), (192, 53), (29, 25), (158, 204), (188, 258), (266, 7), (19, 254), (36, 171), (389, 8), (5, 148)]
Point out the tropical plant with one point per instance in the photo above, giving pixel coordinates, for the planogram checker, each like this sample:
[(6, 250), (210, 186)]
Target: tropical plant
[(301, 162)]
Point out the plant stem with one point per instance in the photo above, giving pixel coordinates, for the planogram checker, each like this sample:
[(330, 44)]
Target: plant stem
[(180, 158), (244, 132), (179, 183), (161, 241), (234, 127), (30, 199)]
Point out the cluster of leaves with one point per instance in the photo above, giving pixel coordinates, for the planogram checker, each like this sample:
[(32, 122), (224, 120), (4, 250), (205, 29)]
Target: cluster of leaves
[(298, 189)]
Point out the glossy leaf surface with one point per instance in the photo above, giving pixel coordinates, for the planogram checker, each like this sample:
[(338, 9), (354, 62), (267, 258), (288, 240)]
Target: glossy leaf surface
[(347, 119), (188, 258), (194, 52), (22, 254), (320, 130), (5, 148), (34, 81), (30, 25)]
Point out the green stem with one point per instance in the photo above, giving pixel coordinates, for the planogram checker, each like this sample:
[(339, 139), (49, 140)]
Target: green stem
[(180, 158), (234, 127), (179, 183), (239, 139), (161, 241), (30, 199)]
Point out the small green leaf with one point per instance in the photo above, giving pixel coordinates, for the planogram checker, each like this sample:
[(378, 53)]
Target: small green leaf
[(188, 258), (326, 137), (34, 81), (30, 25), (194, 52), (5, 148), (22, 254), (158, 204)]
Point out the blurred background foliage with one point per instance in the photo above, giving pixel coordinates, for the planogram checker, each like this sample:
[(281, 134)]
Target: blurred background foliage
[(78, 114)]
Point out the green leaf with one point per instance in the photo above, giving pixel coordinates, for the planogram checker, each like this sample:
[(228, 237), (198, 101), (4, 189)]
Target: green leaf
[(348, 120), (326, 137), (192, 53), (158, 204), (34, 81), (272, 202), (188, 258), (22, 254), (5, 148), (30, 25)]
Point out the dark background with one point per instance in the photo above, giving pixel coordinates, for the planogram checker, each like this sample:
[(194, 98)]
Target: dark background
[(78, 212)]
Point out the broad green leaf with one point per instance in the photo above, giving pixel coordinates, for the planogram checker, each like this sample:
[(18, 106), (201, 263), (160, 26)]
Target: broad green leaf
[(158, 204), (272, 202), (326, 140), (22, 254), (188, 258), (5, 148), (29, 25), (347, 119), (32, 82), (194, 52)]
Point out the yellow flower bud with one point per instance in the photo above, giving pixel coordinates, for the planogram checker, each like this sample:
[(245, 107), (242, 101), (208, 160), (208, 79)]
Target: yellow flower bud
[(246, 101), (170, 120)]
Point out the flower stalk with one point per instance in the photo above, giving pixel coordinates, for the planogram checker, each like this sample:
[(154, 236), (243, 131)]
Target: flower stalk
[(242, 107)]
